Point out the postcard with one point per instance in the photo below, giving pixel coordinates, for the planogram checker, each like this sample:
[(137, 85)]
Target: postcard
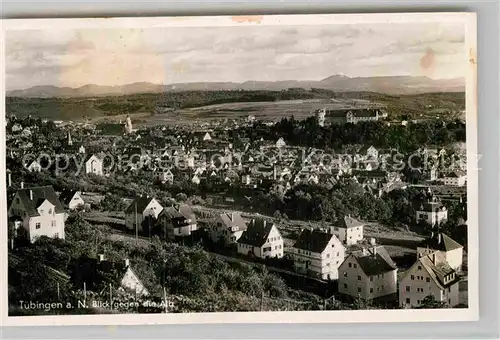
[(245, 169)]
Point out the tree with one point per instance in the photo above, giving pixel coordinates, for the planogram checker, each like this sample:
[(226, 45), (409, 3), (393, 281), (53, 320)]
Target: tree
[(430, 302), (181, 197)]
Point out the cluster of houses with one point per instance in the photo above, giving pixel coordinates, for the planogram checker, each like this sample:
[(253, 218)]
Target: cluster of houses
[(339, 252)]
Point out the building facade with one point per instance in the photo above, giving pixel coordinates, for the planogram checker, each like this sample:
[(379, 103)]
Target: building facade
[(317, 253), (40, 211), (430, 275), (139, 210), (368, 274), (262, 239)]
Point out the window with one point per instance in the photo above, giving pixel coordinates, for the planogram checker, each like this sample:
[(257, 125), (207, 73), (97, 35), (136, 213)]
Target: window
[(50, 211), (355, 265), (359, 278), (419, 267), (371, 278), (338, 254), (408, 289), (359, 290), (328, 255), (345, 274), (371, 290), (56, 235), (408, 300), (449, 289), (382, 288), (418, 301), (345, 285), (37, 225), (17, 200), (449, 301), (350, 265), (53, 223), (427, 279)]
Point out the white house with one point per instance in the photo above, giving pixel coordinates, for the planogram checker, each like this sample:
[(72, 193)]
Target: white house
[(430, 275), (433, 212), (94, 165), (34, 166), (348, 230), (317, 253), (452, 250), (280, 143), (456, 178), (177, 221), (195, 179), (368, 274), (228, 228), (166, 176), (40, 211), (142, 208), (262, 239), (71, 199)]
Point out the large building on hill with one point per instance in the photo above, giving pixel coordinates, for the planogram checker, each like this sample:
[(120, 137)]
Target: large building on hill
[(351, 115)]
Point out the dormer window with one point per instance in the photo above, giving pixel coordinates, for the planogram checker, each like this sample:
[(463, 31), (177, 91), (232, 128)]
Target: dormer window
[(50, 211)]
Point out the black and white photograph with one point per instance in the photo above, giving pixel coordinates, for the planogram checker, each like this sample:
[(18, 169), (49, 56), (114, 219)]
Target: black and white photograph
[(196, 169)]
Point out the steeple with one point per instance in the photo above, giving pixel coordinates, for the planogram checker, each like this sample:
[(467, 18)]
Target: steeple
[(70, 142)]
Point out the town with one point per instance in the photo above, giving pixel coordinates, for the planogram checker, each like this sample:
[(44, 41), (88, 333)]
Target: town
[(342, 209)]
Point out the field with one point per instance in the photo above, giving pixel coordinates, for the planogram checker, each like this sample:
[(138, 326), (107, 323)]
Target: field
[(204, 105)]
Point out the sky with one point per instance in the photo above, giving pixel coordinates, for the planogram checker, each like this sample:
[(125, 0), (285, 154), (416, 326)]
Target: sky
[(74, 58)]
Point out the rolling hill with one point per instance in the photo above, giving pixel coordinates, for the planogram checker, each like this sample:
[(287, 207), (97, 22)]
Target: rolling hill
[(389, 85)]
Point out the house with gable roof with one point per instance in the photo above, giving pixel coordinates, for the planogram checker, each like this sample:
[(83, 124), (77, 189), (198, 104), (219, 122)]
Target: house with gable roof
[(177, 221), (94, 165), (72, 199), (369, 274), (261, 239), (440, 242), (142, 213), (98, 274), (348, 230), (39, 212), (430, 275), (432, 211), (318, 253), (456, 178), (228, 228)]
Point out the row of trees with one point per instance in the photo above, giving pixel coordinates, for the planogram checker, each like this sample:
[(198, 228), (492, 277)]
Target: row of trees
[(405, 138)]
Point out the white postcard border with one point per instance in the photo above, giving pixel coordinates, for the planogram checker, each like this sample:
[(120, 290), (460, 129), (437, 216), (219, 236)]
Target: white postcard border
[(469, 314)]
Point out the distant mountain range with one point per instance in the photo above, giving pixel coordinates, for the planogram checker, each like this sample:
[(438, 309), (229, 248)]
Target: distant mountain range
[(389, 85)]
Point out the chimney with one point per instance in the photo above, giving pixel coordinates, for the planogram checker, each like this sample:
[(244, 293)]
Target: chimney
[(31, 195), (432, 234), (433, 258), (101, 257), (373, 241), (374, 250), (439, 238), (127, 263), (9, 177), (232, 216), (365, 252), (22, 185)]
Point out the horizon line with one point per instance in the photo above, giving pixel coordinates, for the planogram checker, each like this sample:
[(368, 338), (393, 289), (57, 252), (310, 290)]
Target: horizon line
[(223, 81)]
